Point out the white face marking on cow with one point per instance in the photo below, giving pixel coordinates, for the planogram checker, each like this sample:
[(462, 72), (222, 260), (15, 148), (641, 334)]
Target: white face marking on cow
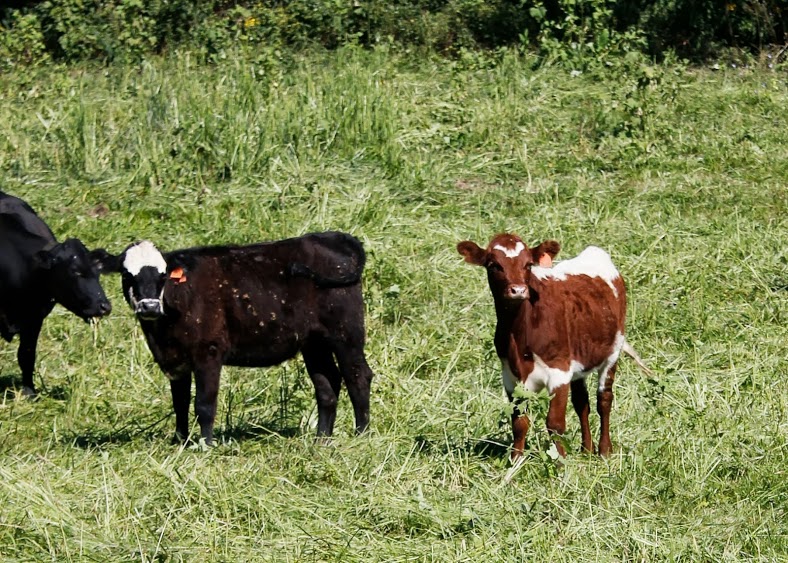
[(593, 262), (143, 254), (511, 252)]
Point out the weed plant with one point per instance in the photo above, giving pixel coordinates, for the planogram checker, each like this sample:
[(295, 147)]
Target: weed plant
[(679, 173)]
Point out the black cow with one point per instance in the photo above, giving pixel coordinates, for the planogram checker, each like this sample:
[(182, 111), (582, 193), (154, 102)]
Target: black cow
[(252, 306), (35, 273)]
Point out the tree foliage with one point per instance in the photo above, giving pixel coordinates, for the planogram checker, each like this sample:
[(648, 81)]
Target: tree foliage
[(130, 29)]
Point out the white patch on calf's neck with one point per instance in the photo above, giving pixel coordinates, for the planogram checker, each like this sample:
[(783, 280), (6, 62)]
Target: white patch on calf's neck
[(143, 254), (510, 252), (593, 262)]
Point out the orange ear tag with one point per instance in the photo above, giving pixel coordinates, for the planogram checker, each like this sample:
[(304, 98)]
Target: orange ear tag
[(545, 261), (178, 275)]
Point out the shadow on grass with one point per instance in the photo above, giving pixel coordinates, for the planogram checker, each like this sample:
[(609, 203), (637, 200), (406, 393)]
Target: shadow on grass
[(10, 383), (159, 430), (13, 382), (247, 430), (490, 447)]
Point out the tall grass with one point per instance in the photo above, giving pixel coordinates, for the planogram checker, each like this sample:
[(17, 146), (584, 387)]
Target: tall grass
[(411, 154)]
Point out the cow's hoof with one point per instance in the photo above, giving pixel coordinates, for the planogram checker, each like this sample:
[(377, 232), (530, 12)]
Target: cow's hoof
[(29, 393), (203, 445)]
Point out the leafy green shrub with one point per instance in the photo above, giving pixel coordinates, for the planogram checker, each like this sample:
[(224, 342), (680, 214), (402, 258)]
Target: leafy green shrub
[(577, 33), (22, 41), (701, 27), (580, 33)]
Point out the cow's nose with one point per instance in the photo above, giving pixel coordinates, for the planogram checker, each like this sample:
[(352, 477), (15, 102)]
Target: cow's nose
[(105, 307), (517, 292), (149, 308)]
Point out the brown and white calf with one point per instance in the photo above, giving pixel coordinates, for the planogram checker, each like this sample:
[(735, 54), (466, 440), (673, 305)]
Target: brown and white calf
[(555, 326)]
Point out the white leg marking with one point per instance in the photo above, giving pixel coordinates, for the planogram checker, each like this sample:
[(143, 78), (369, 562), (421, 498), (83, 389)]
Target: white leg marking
[(603, 370)]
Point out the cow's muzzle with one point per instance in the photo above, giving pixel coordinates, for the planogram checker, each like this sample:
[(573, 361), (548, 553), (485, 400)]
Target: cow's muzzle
[(101, 310), (516, 292), (149, 309)]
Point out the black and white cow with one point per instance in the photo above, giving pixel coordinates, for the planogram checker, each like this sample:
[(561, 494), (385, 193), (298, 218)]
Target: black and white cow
[(252, 306), (35, 273)]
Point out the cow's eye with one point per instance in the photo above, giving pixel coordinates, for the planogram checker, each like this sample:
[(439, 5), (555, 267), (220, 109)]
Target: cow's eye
[(495, 267)]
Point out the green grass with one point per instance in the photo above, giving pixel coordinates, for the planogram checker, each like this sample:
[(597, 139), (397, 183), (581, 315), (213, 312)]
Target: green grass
[(411, 154)]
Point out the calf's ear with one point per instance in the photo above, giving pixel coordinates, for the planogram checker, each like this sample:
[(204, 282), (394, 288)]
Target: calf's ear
[(545, 252), (105, 262), (472, 252)]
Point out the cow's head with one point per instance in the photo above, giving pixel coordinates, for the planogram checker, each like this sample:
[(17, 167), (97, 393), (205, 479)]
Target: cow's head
[(72, 277), (508, 261), (143, 273)]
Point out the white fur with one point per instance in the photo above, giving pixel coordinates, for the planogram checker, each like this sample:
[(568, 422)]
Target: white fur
[(511, 252), (593, 262), (507, 377), (143, 254), (544, 376), (612, 359)]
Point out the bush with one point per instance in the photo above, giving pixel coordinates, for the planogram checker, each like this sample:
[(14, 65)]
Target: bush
[(570, 31)]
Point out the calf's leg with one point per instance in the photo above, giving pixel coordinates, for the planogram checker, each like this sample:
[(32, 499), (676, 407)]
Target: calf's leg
[(26, 355), (327, 381), (556, 416), (582, 408), (206, 382), (604, 402), (520, 425), (181, 389), (358, 379)]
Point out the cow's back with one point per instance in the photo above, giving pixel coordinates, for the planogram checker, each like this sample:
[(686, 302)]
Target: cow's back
[(245, 301), (22, 234), (578, 317)]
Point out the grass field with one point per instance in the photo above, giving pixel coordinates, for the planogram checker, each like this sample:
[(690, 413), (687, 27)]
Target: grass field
[(680, 173)]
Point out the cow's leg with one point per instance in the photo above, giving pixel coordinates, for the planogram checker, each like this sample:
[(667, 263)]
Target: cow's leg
[(327, 381), (206, 383), (520, 425), (581, 404), (556, 416), (358, 379), (181, 389), (604, 401), (26, 355)]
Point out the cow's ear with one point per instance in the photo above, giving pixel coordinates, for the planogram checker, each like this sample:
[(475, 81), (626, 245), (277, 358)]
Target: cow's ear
[(43, 260), (105, 262), (545, 252), (472, 252)]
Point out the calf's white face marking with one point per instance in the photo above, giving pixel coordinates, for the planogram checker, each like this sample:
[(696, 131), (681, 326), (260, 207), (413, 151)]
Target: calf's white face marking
[(511, 252), (145, 264), (143, 254)]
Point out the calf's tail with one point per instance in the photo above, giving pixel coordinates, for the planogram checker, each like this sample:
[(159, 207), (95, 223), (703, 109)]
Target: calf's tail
[(630, 351)]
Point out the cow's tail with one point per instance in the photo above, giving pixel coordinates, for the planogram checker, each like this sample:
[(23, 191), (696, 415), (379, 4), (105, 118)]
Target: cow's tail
[(630, 351), (349, 268)]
